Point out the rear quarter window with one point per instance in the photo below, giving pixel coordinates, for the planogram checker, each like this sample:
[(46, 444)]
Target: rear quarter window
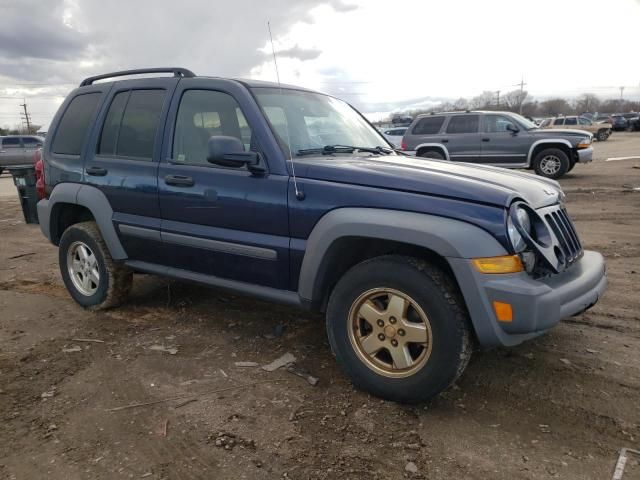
[(428, 126), (74, 124)]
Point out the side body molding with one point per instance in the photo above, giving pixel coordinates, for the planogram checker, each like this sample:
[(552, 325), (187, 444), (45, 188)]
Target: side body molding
[(445, 236), (91, 198)]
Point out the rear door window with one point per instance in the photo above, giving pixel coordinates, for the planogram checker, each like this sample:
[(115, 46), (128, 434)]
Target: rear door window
[(30, 142), (428, 126), (463, 124), (131, 124), (74, 124), (559, 121), (570, 121), (11, 142)]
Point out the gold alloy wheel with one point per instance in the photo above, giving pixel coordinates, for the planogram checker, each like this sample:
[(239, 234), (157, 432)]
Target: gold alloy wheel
[(390, 332)]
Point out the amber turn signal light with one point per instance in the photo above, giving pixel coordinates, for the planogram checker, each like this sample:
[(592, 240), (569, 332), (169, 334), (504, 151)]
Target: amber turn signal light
[(504, 312), (504, 264)]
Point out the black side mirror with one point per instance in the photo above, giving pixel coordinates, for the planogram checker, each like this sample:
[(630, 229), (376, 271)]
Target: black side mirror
[(512, 128), (229, 152)]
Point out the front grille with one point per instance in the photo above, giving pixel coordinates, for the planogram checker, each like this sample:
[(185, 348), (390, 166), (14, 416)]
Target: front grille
[(562, 227)]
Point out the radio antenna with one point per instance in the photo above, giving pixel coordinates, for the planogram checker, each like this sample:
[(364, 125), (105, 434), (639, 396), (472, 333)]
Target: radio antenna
[(299, 194)]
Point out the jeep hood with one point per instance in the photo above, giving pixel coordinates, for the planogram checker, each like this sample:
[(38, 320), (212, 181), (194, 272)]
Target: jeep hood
[(464, 181)]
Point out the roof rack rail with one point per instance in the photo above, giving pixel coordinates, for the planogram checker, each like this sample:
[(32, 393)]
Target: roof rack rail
[(177, 72)]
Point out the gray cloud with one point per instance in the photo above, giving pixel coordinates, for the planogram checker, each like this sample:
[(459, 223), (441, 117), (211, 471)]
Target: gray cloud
[(211, 38), (300, 53), (30, 29), (60, 42)]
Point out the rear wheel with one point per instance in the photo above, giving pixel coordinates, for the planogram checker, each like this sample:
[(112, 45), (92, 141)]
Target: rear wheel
[(399, 328), (88, 271), (551, 163), (435, 154)]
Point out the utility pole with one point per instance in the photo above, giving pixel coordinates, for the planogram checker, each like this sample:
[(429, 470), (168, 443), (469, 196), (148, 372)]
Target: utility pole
[(26, 115), (498, 102), (521, 99)]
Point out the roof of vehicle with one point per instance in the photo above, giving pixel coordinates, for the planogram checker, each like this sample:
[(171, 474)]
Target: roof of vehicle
[(465, 112), (179, 72)]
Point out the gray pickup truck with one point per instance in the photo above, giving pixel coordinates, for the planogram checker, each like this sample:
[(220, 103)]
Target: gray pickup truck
[(18, 150), (503, 139)]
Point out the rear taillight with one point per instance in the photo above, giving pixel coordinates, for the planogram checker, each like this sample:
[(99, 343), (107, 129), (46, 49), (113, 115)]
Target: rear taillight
[(39, 168), (403, 145)]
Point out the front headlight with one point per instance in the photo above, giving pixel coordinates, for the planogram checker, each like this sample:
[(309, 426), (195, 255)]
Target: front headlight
[(584, 142), (523, 219)]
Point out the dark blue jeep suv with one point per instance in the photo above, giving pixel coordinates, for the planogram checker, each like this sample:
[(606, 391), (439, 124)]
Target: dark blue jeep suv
[(290, 195)]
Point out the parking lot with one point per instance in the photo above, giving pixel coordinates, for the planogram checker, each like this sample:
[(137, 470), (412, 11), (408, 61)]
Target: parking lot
[(560, 406)]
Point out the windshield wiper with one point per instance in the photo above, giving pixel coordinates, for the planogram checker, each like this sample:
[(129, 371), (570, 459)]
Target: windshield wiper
[(329, 149)]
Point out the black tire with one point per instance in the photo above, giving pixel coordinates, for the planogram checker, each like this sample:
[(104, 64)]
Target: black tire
[(435, 154), (114, 281), (436, 295), (542, 163), (571, 165), (602, 135)]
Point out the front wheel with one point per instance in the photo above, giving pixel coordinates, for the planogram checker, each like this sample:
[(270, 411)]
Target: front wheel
[(399, 328), (434, 154), (602, 135), (88, 271), (551, 163)]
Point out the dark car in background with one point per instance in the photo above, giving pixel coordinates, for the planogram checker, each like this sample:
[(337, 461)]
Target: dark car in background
[(618, 122), (633, 121)]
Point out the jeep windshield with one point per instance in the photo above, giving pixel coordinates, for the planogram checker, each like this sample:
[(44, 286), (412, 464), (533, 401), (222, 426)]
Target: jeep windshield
[(308, 123)]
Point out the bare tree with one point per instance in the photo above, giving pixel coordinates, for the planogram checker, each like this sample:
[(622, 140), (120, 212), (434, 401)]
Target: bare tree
[(484, 101), (587, 102), (461, 104), (554, 107), (514, 99)]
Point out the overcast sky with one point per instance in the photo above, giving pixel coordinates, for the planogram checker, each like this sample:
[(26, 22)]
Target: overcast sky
[(378, 55)]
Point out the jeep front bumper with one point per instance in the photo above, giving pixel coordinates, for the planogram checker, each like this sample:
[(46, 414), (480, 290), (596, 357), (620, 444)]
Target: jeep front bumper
[(585, 155), (537, 304)]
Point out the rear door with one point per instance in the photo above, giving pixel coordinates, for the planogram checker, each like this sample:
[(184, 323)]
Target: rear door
[(462, 138), (501, 146), (123, 161)]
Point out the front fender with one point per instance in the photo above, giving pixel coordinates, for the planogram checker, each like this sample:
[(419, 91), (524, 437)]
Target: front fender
[(445, 236)]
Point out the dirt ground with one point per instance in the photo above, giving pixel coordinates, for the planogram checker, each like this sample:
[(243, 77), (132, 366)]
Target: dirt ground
[(560, 406)]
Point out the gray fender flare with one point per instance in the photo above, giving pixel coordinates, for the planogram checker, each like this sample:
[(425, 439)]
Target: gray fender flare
[(546, 140), (445, 236), (91, 198), (436, 145)]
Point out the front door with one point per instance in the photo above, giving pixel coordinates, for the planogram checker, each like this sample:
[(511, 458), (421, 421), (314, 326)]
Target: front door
[(501, 146), (462, 138), (220, 221), (122, 161)]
